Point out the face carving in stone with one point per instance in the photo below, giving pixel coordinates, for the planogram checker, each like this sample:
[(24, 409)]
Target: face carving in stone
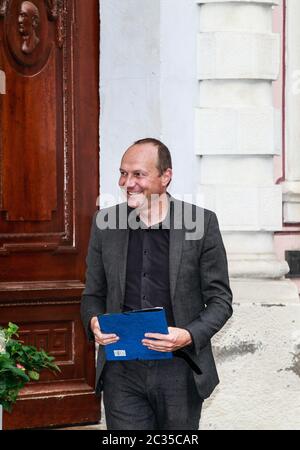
[(29, 19)]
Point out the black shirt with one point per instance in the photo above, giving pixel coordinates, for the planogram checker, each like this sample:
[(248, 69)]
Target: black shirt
[(147, 271)]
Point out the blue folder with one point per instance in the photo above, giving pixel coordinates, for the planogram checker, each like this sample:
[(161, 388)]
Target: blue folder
[(131, 327)]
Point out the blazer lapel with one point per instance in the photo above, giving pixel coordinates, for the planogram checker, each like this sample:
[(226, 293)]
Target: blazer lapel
[(129, 216), (176, 241), (120, 243)]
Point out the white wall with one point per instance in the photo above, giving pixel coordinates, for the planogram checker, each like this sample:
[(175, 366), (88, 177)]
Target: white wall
[(148, 84)]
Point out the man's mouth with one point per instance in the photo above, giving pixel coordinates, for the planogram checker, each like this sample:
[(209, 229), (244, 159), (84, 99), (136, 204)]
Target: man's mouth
[(133, 193)]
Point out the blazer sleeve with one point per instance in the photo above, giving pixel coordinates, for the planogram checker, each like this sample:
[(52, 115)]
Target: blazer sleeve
[(93, 301), (216, 292)]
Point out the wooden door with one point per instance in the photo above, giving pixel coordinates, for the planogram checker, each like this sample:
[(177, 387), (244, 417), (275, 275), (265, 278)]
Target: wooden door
[(49, 51)]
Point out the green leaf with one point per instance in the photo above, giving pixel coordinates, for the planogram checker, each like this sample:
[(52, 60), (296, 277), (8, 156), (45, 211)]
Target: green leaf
[(34, 375), (13, 378), (11, 330)]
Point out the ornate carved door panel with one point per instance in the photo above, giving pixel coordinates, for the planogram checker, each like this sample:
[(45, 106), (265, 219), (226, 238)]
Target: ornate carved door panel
[(49, 51)]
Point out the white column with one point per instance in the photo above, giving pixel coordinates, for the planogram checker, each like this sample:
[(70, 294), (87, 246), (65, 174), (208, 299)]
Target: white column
[(236, 138), (258, 349), (291, 187)]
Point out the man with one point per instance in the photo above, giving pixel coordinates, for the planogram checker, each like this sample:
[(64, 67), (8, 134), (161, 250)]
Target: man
[(29, 19), (161, 257)]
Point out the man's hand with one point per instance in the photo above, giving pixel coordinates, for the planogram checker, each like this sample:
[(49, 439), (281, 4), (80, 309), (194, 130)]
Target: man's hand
[(101, 338), (176, 339)]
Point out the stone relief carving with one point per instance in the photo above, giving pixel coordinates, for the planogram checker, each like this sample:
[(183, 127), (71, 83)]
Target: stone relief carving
[(28, 20)]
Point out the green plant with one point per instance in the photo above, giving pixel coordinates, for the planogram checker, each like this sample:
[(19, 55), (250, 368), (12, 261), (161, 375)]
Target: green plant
[(19, 364)]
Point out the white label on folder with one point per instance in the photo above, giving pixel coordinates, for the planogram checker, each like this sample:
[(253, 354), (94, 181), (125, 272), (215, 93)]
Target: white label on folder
[(119, 352)]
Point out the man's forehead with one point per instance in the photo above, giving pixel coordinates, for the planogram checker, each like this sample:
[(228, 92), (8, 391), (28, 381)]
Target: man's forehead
[(140, 154)]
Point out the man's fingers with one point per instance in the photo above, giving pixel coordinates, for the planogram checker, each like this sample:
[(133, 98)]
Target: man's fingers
[(108, 336), (106, 342), (166, 348), (102, 338), (162, 337), (159, 346), (105, 339)]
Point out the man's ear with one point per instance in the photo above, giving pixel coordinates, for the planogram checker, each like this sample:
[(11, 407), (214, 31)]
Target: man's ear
[(167, 177)]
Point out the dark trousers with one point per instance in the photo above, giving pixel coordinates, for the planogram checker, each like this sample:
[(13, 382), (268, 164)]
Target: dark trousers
[(150, 395)]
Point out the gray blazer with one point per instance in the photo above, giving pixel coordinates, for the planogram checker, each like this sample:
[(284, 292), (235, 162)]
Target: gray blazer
[(199, 285)]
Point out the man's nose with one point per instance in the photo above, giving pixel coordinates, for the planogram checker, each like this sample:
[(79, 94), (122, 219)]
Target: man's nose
[(129, 182)]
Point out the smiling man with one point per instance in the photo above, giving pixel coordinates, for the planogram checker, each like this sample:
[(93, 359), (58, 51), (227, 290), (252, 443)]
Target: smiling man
[(146, 171), (149, 265)]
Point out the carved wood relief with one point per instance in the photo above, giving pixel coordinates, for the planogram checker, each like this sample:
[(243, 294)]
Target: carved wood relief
[(56, 11), (29, 22), (36, 174), (55, 338), (49, 181)]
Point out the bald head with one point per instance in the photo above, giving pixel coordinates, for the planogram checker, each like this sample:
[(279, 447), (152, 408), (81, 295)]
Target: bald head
[(142, 155), (142, 174)]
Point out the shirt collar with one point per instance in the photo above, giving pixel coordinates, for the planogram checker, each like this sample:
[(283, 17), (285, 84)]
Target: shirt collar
[(135, 222)]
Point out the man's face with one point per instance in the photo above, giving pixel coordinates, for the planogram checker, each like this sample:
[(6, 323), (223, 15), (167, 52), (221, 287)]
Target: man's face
[(25, 20), (139, 175)]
